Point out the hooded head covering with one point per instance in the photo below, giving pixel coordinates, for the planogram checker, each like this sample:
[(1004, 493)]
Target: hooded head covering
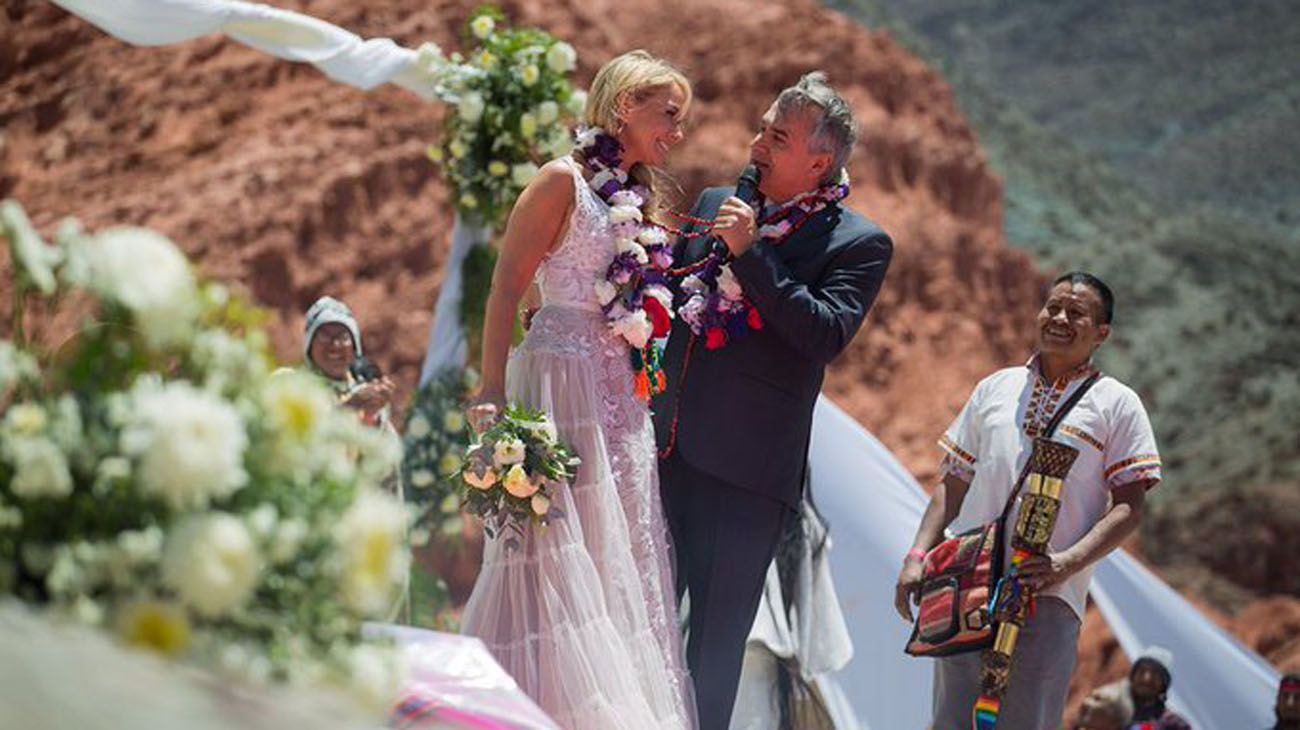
[(1158, 658), (324, 311)]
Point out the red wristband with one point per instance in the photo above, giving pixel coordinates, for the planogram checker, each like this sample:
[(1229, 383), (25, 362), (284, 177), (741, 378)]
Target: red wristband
[(917, 553)]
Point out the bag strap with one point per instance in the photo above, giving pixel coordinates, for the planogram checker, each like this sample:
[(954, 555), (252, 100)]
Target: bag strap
[(1066, 407)]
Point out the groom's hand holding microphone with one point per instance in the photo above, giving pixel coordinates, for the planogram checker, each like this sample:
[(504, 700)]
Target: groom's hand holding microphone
[(736, 223)]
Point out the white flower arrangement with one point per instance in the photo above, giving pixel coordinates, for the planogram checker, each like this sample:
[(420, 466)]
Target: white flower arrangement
[(159, 483), (514, 102)]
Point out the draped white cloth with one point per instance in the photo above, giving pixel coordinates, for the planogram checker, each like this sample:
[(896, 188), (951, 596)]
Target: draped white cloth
[(447, 344), (874, 505), (340, 54)]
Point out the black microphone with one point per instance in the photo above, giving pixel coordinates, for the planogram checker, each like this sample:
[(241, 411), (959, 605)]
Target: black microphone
[(747, 191), (747, 186)]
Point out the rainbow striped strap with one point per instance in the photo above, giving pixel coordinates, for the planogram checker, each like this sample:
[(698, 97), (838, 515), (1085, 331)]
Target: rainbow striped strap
[(985, 716)]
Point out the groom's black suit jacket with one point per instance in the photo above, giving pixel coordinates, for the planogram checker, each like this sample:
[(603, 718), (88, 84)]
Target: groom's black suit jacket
[(746, 409)]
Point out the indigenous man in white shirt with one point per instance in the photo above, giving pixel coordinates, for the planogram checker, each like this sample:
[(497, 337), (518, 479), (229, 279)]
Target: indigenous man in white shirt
[(986, 447)]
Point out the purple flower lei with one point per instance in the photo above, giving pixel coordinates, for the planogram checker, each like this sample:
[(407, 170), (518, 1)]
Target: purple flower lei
[(634, 293), (714, 304)]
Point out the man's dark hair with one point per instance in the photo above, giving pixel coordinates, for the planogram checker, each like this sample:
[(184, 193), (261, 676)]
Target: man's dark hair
[(1097, 285)]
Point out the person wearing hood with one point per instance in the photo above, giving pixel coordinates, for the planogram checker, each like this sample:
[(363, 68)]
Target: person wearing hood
[(331, 347), (1149, 681)]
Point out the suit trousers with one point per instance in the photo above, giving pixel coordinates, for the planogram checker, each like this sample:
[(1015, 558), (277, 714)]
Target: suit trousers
[(724, 538)]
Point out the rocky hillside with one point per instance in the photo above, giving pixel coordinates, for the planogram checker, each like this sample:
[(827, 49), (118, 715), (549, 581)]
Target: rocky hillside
[(290, 186)]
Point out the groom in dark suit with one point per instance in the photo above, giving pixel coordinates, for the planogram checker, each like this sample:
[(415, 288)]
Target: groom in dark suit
[(734, 424)]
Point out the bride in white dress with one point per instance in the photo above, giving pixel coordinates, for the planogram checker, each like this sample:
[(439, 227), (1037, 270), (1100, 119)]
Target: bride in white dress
[(583, 613)]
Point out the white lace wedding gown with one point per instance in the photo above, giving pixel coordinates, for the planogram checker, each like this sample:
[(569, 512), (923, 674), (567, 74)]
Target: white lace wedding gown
[(583, 613)]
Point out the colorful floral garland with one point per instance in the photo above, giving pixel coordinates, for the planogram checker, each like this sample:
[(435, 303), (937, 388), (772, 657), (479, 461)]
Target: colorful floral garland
[(634, 294), (715, 305)]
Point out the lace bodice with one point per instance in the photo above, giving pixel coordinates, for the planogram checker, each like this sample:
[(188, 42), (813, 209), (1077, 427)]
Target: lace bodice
[(568, 276)]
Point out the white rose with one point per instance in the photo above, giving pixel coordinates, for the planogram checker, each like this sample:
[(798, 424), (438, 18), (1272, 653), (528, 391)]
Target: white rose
[(470, 109), (212, 564), (371, 540), (148, 275), (548, 112), (523, 173), (635, 328), (421, 478), (634, 248), (190, 444), (34, 258), (453, 422), (418, 427), (653, 236), (25, 419), (288, 539), (728, 284), (623, 214), (508, 451), (577, 103), (449, 464), (40, 469), (482, 26), (527, 125), (262, 520), (518, 484), (605, 292), (297, 405), (529, 75), (561, 58), (15, 366), (626, 197), (559, 145)]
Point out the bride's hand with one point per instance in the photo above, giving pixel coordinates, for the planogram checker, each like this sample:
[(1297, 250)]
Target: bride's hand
[(484, 411)]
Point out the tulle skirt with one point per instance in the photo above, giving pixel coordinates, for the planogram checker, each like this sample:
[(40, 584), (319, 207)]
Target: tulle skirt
[(582, 613)]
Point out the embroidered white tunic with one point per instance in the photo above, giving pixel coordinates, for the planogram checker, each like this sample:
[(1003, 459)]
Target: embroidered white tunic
[(991, 438)]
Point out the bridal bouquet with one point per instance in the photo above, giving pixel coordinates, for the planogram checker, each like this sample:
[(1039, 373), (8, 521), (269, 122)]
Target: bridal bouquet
[(511, 470), (159, 483)]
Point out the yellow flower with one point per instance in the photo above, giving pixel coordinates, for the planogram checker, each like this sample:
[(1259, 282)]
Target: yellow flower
[(435, 153), (497, 168), (528, 125), (296, 405), (155, 626), (26, 419), (457, 149), (488, 61), (483, 481), (449, 463), (518, 484), (483, 26), (468, 201), (529, 74)]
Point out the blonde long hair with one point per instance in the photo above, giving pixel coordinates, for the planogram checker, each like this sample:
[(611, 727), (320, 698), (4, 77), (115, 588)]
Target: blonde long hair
[(630, 79)]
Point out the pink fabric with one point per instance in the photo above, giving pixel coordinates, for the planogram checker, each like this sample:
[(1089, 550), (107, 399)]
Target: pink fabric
[(582, 613)]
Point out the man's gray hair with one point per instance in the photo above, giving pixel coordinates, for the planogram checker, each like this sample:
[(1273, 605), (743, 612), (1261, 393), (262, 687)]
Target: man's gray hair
[(835, 132)]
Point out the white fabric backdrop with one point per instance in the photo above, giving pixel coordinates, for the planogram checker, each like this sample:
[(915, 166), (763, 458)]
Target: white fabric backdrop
[(340, 54), (447, 344)]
